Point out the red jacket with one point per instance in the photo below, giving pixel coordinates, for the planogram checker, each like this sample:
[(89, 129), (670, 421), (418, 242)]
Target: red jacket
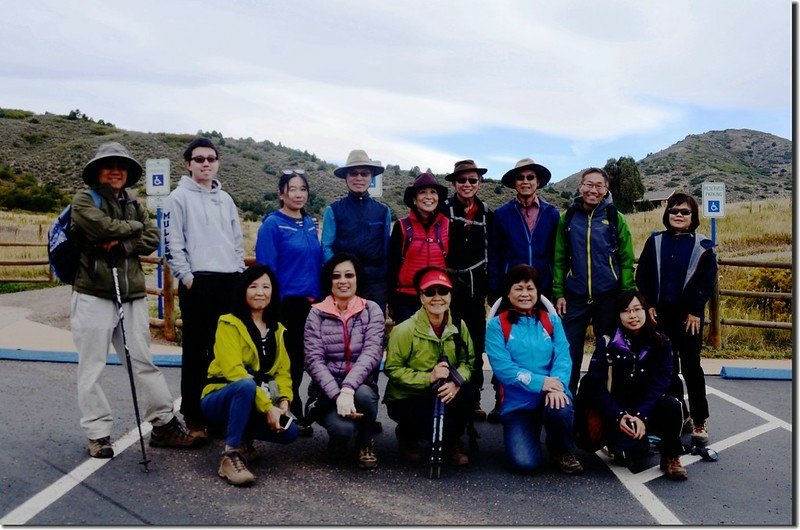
[(412, 248)]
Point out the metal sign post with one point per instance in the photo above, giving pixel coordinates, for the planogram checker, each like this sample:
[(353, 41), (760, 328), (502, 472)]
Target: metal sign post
[(157, 189)]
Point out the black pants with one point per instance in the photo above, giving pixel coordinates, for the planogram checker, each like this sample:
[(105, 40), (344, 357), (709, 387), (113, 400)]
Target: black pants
[(686, 356), (666, 422), (294, 310), (201, 306), (472, 310), (580, 313), (414, 415)]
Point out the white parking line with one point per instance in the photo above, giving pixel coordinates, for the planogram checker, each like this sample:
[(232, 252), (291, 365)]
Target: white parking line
[(39, 502), (636, 483)]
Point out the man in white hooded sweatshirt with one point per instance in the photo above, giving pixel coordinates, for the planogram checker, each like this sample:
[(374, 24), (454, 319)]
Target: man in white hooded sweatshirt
[(203, 246)]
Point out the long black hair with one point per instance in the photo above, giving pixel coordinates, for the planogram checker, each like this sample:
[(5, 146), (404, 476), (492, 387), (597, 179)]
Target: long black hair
[(242, 311), (648, 331), (283, 184), (325, 281), (520, 273)]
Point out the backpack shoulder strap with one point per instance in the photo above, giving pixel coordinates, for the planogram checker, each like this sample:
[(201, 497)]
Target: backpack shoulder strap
[(98, 200), (408, 235), (547, 324), (505, 325)]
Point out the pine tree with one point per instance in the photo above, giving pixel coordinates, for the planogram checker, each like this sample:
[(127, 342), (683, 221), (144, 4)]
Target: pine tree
[(625, 183)]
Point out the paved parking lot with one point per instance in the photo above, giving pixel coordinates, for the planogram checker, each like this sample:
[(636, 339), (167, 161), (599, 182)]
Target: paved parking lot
[(46, 478)]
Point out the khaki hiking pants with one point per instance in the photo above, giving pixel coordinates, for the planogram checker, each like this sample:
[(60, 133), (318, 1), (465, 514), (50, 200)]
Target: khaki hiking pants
[(95, 324)]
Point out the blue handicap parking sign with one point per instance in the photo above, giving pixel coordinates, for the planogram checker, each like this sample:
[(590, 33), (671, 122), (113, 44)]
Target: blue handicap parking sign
[(713, 206), (158, 180)]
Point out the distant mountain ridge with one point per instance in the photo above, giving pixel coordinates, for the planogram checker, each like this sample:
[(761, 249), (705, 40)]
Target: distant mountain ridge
[(54, 148)]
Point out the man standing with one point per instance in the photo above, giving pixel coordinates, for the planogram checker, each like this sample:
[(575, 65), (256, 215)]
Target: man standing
[(360, 225), (525, 227), (524, 232), (112, 230), (203, 246), (593, 264), (470, 222)]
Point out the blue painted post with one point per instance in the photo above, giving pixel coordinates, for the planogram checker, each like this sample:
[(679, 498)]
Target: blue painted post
[(159, 271), (714, 231)]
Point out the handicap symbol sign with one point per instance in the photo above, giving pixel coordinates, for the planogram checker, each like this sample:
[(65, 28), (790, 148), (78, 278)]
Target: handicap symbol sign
[(713, 206), (158, 180)]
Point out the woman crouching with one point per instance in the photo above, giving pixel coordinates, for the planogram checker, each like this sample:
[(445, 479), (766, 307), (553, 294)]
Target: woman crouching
[(249, 387)]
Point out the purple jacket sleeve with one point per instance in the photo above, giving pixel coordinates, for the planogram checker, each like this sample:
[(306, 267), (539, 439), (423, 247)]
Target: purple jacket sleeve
[(372, 350), (315, 363)]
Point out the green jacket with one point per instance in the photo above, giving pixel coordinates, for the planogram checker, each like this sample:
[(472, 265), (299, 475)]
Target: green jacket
[(235, 353), (123, 220), (588, 262), (413, 351)]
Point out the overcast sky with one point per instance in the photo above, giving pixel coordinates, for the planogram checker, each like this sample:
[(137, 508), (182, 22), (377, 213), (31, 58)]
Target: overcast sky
[(415, 83)]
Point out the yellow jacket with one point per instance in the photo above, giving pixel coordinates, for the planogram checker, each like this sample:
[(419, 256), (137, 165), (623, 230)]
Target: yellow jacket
[(235, 353)]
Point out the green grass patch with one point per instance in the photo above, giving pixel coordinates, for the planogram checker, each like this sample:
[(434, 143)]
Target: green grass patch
[(16, 287)]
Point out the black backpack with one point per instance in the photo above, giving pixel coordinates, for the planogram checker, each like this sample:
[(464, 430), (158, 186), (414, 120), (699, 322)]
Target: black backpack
[(62, 252)]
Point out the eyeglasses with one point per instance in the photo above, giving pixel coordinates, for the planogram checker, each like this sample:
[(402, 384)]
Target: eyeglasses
[(683, 211), (593, 186), (293, 172), (359, 173), (430, 292), (529, 178), (631, 311), (347, 275), (464, 180), (201, 159)]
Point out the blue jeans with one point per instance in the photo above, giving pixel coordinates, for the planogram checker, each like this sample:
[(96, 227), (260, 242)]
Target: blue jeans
[(324, 413), (522, 430), (233, 407)]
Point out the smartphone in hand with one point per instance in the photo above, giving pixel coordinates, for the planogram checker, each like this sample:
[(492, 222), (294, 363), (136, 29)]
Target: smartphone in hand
[(285, 421)]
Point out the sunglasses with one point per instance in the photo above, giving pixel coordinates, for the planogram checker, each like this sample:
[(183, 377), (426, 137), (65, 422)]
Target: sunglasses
[(430, 292), (201, 159), (529, 178), (348, 275), (464, 180), (359, 173), (293, 172), (683, 211)]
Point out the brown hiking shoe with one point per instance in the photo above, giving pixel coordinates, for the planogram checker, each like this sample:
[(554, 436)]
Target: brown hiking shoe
[(367, 459), (688, 426), (233, 468), (455, 456), (568, 464), (196, 430), (101, 447), (173, 434), (672, 468), (700, 433)]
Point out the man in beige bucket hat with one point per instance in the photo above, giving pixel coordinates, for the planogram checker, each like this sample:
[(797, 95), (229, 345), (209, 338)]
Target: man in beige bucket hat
[(360, 225)]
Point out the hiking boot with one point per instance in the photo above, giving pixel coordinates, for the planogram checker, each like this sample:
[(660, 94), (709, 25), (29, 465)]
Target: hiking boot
[(455, 456), (233, 468), (478, 414), (173, 434), (568, 464), (688, 426), (700, 433), (408, 445), (250, 452), (101, 447), (672, 468), (197, 429), (367, 459)]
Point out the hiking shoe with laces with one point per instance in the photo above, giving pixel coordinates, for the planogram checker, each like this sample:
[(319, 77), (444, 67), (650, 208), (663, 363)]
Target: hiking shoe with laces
[(455, 456), (700, 433), (233, 468), (568, 464), (688, 426), (672, 468), (196, 430), (101, 447), (367, 459), (173, 434)]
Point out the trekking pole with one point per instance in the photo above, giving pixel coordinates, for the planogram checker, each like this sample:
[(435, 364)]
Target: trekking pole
[(144, 461), (438, 433)]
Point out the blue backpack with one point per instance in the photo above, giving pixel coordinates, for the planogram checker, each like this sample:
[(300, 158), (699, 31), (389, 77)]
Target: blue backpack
[(62, 252)]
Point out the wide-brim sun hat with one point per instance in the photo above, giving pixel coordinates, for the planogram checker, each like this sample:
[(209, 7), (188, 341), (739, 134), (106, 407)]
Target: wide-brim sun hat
[(462, 166), (542, 173), (112, 150), (359, 158), (424, 180)]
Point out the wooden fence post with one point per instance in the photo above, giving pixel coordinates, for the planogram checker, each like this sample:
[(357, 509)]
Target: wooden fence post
[(169, 302), (714, 324)]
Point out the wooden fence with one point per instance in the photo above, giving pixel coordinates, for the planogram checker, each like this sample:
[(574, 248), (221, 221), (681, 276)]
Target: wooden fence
[(168, 323)]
